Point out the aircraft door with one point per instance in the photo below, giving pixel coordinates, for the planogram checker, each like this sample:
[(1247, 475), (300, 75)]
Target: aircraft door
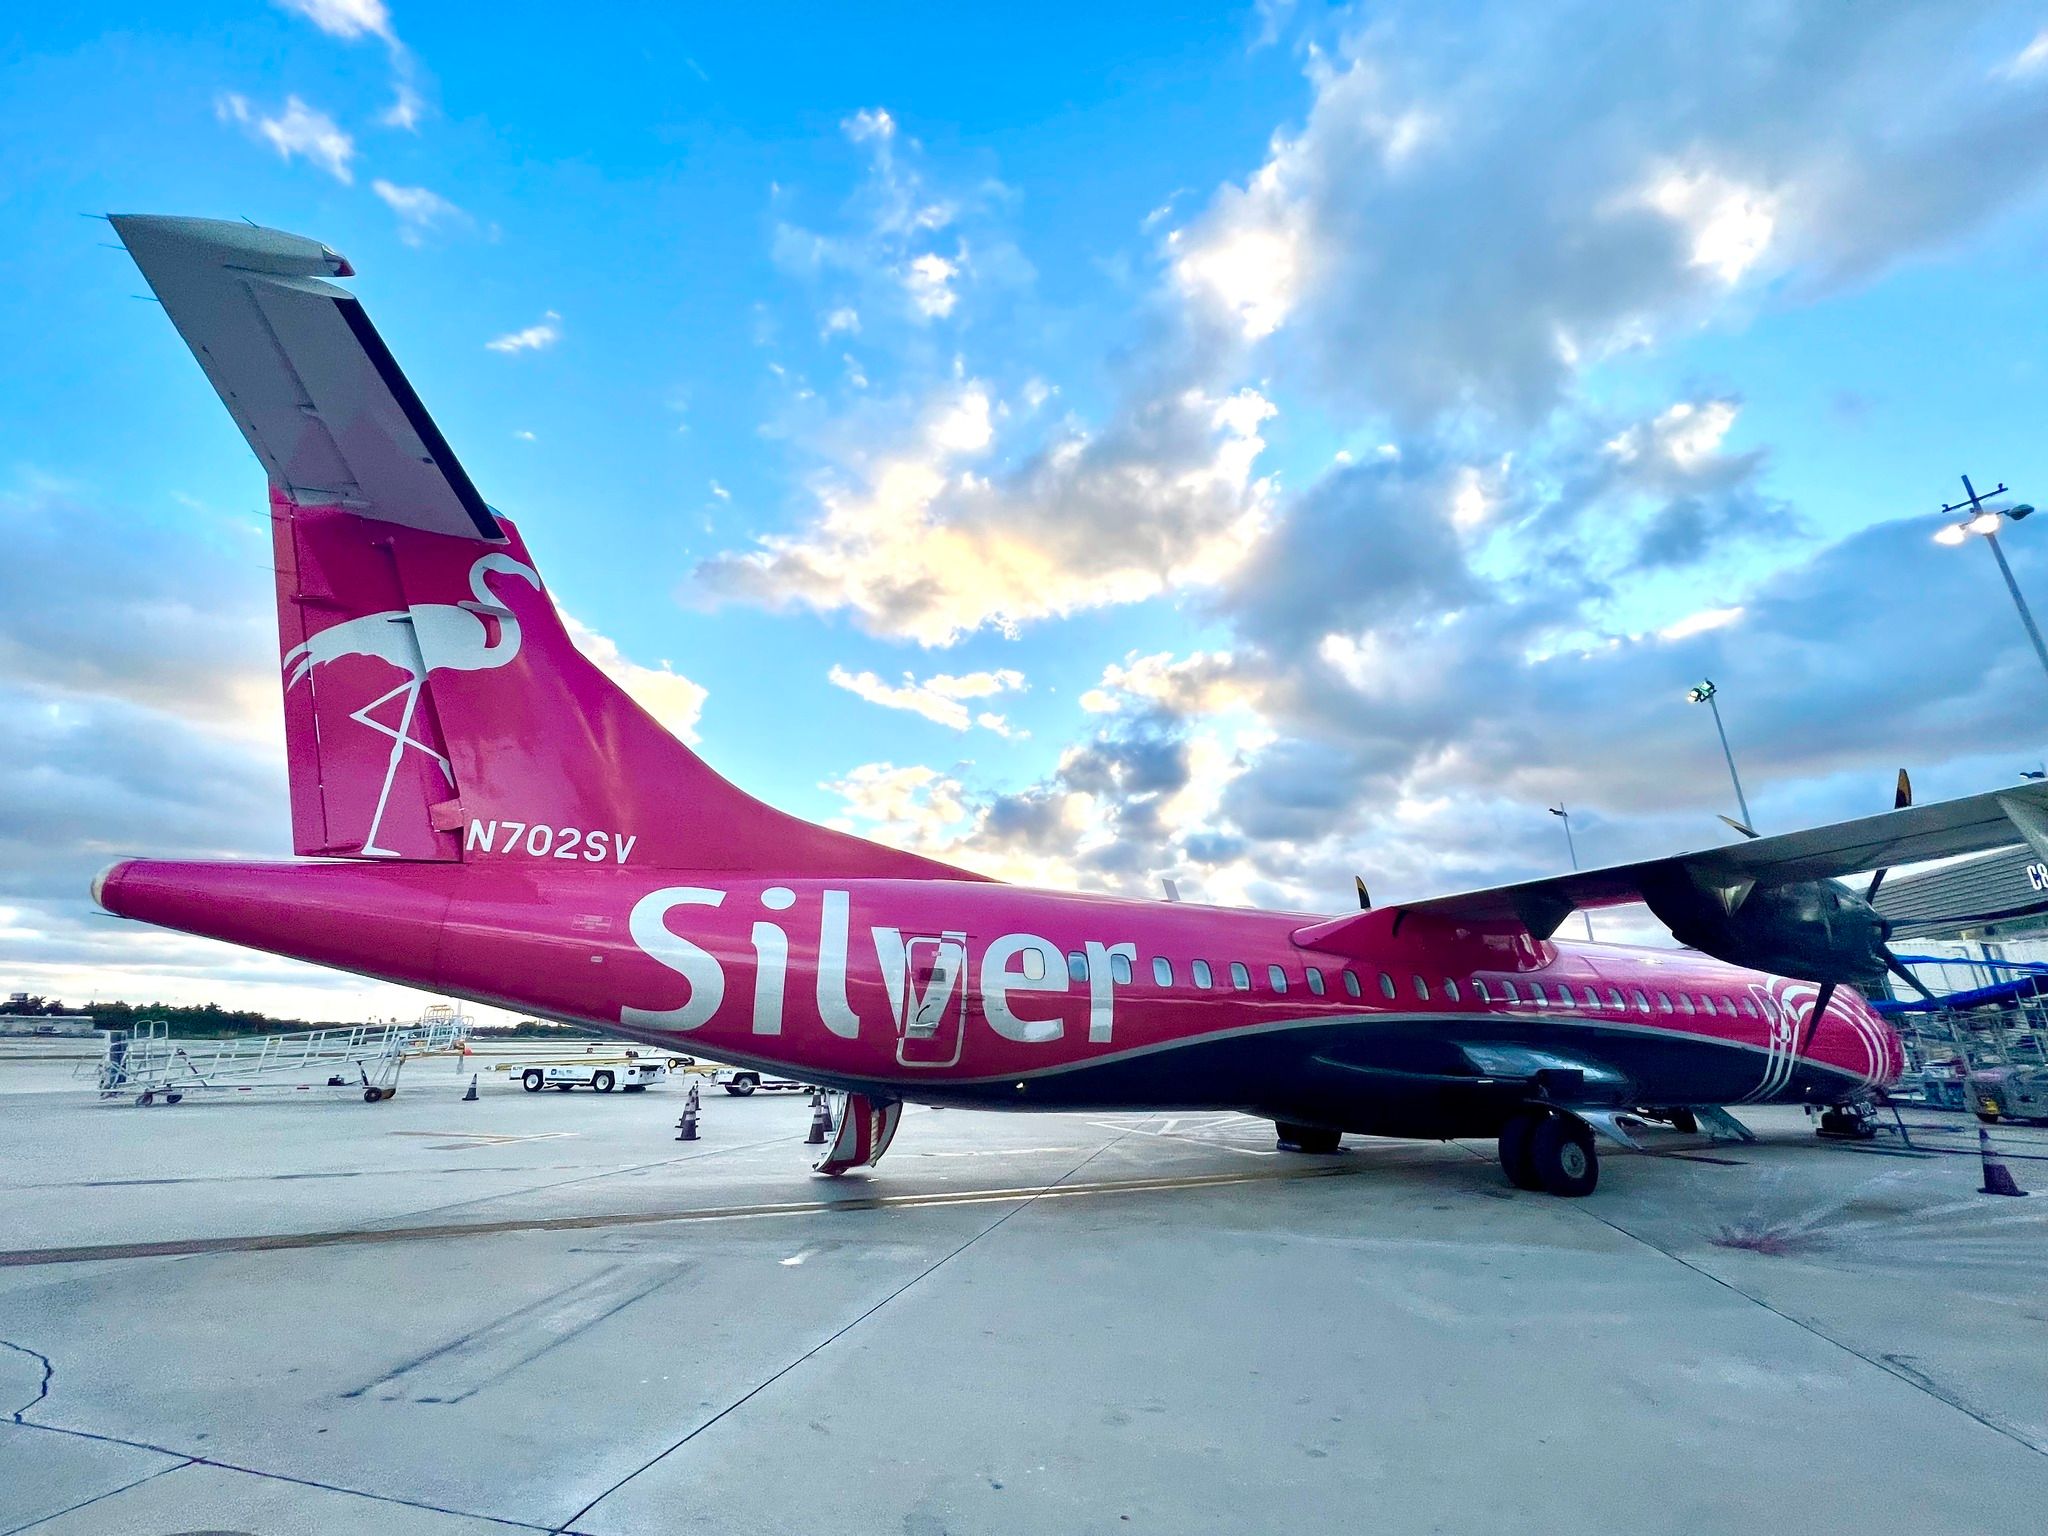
[(931, 1011)]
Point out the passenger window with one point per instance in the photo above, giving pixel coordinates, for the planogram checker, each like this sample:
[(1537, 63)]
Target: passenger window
[(1614, 998), (1748, 1009), (1685, 1005), (1203, 978), (1642, 1003), (1077, 965), (1450, 990), (1120, 970), (1507, 989), (1707, 1006), (1034, 964), (1386, 984), (1479, 989), (1162, 971), (1315, 981), (1592, 998), (1770, 1008), (1240, 978), (1727, 1009), (1278, 978), (1351, 982), (1421, 988), (1663, 1002)]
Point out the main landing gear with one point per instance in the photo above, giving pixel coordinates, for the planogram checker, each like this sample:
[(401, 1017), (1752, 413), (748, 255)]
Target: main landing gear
[(1548, 1150), (1289, 1137)]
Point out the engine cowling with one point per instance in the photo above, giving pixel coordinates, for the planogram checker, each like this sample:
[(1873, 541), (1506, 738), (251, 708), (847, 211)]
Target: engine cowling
[(1815, 930)]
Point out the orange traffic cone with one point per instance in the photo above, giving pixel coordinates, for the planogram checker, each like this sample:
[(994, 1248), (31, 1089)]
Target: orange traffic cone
[(1998, 1179), (821, 1121)]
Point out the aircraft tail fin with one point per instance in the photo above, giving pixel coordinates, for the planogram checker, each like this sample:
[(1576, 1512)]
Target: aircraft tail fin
[(435, 706)]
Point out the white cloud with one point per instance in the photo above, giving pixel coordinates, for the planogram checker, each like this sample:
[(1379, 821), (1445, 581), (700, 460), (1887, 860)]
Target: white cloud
[(720, 491), (845, 318), (418, 208), (916, 548), (543, 333), (2030, 60), (1730, 225), (1699, 623), (940, 699), (929, 281), (298, 130), (346, 19), (664, 693)]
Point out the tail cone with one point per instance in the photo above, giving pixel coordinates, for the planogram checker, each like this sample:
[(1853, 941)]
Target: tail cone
[(1998, 1179)]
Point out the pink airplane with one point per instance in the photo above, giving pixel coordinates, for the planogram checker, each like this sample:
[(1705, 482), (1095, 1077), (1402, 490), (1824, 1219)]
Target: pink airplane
[(481, 812)]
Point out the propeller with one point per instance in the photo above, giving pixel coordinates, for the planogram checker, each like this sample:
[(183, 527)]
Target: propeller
[(1902, 796)]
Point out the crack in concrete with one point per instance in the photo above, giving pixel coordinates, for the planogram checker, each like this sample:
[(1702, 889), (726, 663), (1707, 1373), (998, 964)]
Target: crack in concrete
[(49, 1375)]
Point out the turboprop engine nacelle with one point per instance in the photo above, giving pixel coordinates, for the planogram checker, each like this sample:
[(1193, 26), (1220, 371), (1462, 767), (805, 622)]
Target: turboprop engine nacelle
[(1816, 930)]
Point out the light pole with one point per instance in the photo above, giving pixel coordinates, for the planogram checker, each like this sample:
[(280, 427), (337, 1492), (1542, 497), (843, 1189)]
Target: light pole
[(1704, 694), (1985, 522), (1572, 848)]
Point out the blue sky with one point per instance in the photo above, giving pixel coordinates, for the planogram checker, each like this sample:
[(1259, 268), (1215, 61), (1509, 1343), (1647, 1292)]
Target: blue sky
[(1273, 442)]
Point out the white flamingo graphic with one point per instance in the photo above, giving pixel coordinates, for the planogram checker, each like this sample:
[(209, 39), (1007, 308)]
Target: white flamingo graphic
[(454, 635)]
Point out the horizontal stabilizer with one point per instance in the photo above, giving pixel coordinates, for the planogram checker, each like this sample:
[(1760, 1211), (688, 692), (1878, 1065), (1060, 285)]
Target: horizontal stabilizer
[(304, 373)]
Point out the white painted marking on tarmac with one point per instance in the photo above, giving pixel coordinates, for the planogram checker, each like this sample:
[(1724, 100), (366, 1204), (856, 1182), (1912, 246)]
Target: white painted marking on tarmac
[(797, 1258)]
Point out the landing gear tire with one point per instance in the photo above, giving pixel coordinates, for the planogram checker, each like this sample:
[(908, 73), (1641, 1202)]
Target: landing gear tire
[(531, 1080), (1685, 1120), (1561, 1153), (1314, 1139), (1516, 1160), (602, 1082)]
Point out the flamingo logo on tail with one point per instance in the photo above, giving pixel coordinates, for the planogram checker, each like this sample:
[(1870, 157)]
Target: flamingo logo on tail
[(473, 635)]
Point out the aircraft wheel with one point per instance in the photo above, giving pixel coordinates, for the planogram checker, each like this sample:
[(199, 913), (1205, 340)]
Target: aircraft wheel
[(1685, 1120), (1289, 1137), (530, 1080), (1516, 1160), (1562, 1155)]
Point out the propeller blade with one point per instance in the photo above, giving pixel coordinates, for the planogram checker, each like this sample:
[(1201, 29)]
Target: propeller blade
[(1738, 826), (1821, 1000), (1893, 964), (1902, 796)]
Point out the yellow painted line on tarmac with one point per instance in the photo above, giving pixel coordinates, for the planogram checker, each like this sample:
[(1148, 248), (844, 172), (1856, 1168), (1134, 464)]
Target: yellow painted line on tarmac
[(277, 1241)]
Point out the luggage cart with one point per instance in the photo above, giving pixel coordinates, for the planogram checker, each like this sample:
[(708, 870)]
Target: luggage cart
[(148, 1064)]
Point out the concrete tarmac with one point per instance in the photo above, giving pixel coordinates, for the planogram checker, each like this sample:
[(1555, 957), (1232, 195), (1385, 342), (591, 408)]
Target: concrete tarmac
[(542, 1312)]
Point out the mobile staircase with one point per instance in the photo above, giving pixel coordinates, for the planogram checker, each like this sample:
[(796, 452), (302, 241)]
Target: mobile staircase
[(148, 1064)]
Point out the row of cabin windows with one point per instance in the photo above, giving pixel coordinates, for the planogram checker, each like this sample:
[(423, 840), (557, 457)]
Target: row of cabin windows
[(1499, 989)]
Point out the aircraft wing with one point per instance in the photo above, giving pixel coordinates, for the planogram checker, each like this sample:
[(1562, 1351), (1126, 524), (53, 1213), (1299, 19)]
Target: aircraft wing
[(304, 373), (1995, 819)]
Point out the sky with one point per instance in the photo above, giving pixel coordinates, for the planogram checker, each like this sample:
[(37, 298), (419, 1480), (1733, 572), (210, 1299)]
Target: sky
[(1097, 445)]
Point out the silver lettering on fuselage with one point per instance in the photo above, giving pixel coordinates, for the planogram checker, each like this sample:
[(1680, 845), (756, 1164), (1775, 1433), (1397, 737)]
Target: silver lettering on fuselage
[(1014, 966)]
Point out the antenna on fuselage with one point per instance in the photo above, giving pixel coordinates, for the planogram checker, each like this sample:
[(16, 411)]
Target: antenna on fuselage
[(1172, 889)]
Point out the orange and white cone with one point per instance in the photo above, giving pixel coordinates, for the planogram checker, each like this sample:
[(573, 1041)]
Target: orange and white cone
[(821, 1121), (1998, 1179)]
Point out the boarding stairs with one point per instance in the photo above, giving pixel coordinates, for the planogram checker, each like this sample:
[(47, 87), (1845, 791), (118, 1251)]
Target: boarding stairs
[(148, 1064)]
